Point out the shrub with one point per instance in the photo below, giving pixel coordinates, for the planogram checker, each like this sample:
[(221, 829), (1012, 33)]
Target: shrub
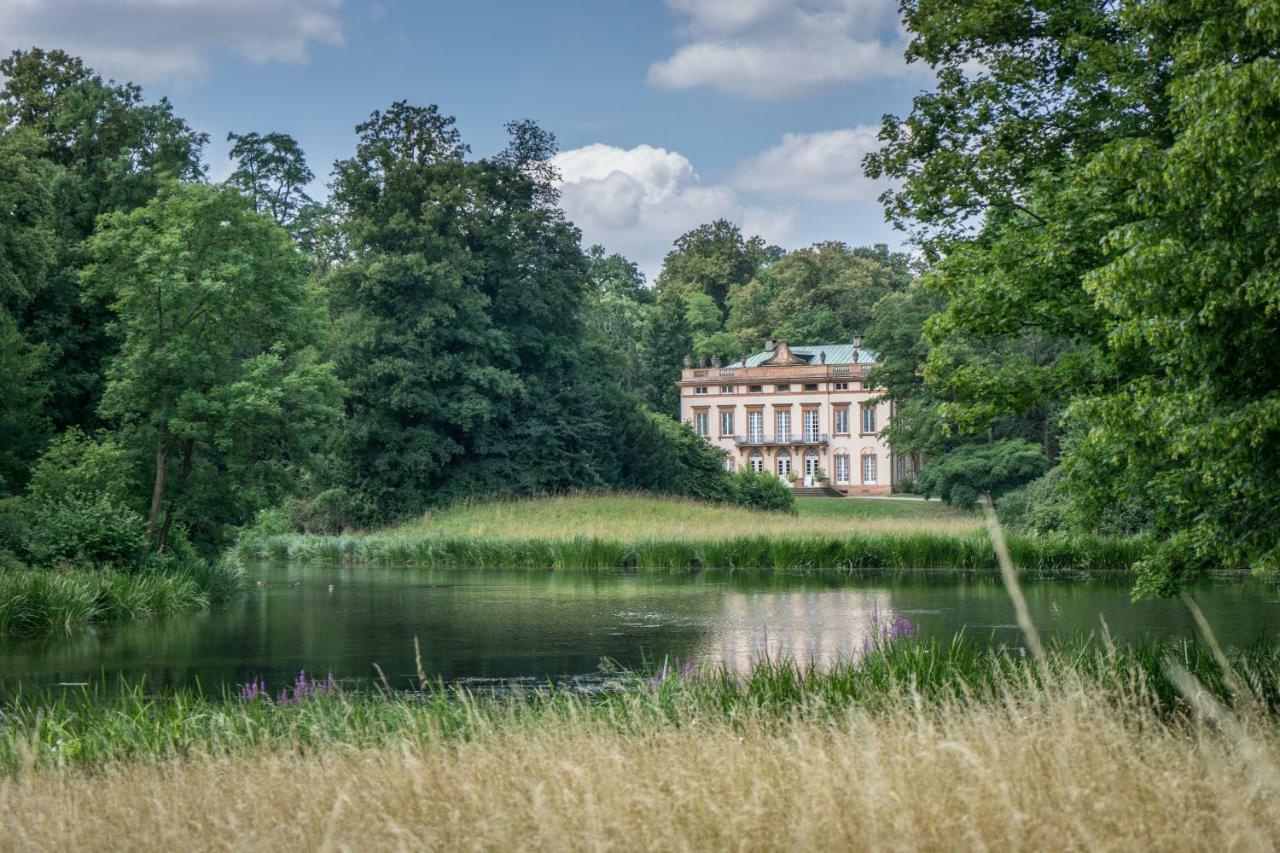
[(670, 458), (758, 490), (962, 475), (1044, 506), (85, 530)]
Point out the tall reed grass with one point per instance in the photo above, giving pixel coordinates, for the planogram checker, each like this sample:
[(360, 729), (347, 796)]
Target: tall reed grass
[(36, 602), (875, 551)]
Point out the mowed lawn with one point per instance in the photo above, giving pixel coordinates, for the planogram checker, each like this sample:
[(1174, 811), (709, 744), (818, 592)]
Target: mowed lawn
[(634, 517)]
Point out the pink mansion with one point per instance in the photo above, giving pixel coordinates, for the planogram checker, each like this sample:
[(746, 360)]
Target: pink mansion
[(803, 413)]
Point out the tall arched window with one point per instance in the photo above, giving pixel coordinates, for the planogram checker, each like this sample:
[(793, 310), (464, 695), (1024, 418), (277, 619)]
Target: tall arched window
[(756, 461), (784, 463)]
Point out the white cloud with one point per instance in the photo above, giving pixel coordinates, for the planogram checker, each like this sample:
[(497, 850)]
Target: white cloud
[(637, 201), (776, 48), (160, 40), (823, 166)]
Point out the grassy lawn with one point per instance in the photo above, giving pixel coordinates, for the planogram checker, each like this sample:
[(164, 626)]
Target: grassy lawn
[(632, 517)]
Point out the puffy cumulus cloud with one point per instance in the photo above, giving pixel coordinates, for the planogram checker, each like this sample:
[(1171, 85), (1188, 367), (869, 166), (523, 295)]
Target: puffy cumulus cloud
[(823, 166), (775, 48), (637, 201), (153, 40)]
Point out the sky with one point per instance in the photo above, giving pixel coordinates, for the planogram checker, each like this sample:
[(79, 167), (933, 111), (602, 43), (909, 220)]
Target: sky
[(669, 113)]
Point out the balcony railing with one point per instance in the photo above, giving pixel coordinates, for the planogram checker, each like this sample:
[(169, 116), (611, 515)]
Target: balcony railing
[(759, 439)]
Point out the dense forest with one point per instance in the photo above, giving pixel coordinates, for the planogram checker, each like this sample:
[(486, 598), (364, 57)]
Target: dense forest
[(1083, 328)]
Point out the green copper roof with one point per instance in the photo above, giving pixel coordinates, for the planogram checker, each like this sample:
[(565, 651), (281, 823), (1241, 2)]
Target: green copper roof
[(836, 354)]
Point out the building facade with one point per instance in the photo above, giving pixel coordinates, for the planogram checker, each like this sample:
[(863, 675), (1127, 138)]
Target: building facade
[(803, 413)]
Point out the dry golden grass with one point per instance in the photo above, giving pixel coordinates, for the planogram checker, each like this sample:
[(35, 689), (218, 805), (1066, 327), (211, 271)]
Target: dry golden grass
[(633, 518), (1067, 771)]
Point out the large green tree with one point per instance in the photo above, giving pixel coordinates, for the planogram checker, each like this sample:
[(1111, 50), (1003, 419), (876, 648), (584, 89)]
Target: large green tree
[(217, 380), (1091, 182), (460, 315), (1192, 295)]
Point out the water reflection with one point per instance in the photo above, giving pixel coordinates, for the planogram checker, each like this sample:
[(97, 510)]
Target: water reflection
[(538, 625)]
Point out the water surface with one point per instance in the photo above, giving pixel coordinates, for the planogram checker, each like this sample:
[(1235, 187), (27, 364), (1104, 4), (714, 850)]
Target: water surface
[(477, 626)]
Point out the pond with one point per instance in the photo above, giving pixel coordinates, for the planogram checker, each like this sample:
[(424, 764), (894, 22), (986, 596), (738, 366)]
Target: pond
[(486, 626)]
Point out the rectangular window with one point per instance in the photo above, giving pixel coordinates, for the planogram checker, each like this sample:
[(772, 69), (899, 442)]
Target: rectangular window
[(755, 389), (700, 423), (755, 426), (868, 470), (842, 470), (726, 423), (868, 419), (728, 464), (811, 386), (726, 389), (811, 425), (782, 425), (842, 421), (841, 386), (701, 389), (782, 387)]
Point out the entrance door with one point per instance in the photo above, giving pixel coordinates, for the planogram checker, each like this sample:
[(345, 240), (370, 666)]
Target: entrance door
[(810, 466), (756, 461), (784, 464)]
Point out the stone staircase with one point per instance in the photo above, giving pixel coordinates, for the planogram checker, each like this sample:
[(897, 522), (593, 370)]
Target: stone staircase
[(815, 492)]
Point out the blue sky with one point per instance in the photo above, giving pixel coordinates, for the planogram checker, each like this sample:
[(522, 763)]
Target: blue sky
[(668, 112)]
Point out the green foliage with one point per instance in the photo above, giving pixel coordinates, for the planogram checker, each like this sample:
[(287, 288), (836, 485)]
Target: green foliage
[(821, 294), (76, 465), (461, 321), (711, 259), (273, 172), (103, 150), (217, 376), (961, 476), (668, 457), (85, 531), (1045, 506), (761, 490), (24, 388)]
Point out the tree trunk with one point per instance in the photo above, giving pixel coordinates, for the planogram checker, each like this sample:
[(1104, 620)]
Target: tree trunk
[(185, 471), (157, 491)]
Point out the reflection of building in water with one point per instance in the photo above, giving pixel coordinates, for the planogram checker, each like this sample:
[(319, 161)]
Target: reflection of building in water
[(818, 626)]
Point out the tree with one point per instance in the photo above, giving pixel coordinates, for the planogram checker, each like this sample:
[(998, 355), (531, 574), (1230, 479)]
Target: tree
[(963, 475), (711, 259), (617, 307), (821, 294), (273, 172), (1094, 198), (1191, 291), (109, 151), (461, 317), (217, 370)]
